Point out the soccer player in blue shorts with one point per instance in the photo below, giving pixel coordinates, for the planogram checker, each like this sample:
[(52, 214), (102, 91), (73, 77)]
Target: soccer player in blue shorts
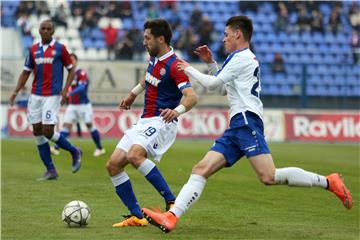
[(46, 60), (168, 93), (79, 108), (239, 79)]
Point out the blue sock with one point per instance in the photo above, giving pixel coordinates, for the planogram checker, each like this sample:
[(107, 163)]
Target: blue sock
[(96, 137), (127, 196), (45, 155), (65, 134), (65, 144), (158, 181)]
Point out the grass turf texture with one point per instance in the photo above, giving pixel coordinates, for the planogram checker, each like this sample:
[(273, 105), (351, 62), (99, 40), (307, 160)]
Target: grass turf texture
[(234, 205)]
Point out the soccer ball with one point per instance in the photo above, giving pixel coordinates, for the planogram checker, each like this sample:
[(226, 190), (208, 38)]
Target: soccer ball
[(76, 214)]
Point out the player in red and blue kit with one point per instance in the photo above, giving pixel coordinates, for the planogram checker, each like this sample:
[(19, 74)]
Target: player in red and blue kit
[(80, 108), (46, 60), (156, 130)]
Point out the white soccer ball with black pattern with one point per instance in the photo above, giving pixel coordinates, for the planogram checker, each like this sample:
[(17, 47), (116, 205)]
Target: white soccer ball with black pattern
[(76, 214)]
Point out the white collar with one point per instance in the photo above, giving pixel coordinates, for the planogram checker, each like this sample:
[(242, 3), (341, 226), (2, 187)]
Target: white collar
[(166, 55), (50, 44)]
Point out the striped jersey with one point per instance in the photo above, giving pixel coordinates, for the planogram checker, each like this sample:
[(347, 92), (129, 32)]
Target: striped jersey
[(80, 84), (47, 63), (163, 84)]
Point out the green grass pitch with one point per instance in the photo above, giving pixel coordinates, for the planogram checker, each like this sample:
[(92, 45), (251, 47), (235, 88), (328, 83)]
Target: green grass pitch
[(234, 205)]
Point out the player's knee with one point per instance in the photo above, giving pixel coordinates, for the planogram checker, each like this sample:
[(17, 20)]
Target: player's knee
[(48, 133), (200, 169), (134, 158), (267, 179), (112, 167)]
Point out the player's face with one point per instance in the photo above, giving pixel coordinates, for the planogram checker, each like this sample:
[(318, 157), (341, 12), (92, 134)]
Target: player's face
[(46, 31), (151, 43), (229, 40)]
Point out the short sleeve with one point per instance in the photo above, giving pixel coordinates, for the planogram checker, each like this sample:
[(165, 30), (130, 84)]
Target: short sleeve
[(29, 62), (182, 81), (65, 57)]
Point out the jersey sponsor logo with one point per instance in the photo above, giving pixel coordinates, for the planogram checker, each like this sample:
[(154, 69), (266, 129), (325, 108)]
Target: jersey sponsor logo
[(162, 71), (152, 80), (44, 60)]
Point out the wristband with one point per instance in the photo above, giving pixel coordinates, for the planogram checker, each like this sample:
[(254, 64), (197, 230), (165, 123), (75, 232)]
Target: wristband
[(180, 109), (137, 89)]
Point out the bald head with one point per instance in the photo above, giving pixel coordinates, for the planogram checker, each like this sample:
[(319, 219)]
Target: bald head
[(46, 30)]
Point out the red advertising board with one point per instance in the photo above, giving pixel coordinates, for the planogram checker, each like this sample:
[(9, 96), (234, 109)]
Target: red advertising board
[(205, 123), (326, 127)]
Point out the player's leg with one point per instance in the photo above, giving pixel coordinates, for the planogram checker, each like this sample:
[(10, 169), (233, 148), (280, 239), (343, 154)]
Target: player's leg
[(293, 176), (34, 117), (121, 182), (96, 139), (49, 119), (65, 132), (190, 192), (154, 138), (86, 115), (44, 152), (137, 156)]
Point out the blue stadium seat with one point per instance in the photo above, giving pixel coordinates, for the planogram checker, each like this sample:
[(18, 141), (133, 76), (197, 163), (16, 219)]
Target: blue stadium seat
[(87, 43), (96, 34), (99, 44)]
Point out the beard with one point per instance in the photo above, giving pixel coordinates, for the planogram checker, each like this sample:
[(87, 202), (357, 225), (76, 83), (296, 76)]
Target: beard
[(154, 51)]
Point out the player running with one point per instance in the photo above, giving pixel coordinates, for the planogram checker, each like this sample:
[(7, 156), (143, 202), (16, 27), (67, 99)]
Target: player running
[(46, 60), (155, 131), (79, 108), (239, 76)]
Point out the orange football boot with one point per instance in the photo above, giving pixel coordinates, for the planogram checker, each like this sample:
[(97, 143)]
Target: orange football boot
[(165, 221), (132, 221), (337, 186)]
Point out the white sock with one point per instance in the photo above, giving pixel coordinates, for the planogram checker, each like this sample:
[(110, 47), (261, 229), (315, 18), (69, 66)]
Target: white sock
[(146, 167), (55, 137), (189, 194), (298, 177), (40, 140), (119, 179)]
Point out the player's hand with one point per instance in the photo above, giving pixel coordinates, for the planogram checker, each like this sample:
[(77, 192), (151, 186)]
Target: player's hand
[(126, 103), (181, 65), (12, 99), (204, 53), (168, 114), (64, 98)]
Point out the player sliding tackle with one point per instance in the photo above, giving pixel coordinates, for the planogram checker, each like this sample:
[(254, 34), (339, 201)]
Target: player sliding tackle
[(239, 76)]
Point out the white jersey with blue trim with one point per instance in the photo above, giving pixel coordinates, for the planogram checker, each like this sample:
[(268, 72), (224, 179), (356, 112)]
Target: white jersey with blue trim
[(240, 74)]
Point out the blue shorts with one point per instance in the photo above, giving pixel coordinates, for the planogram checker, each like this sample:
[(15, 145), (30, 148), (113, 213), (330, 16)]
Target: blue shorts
[(244, 137)]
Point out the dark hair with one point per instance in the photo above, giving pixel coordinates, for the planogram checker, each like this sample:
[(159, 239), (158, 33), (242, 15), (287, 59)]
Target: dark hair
[(74, 55), (49, 21), (243, 23), (159, 27)]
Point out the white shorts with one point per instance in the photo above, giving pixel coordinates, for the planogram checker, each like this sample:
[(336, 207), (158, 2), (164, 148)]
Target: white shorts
[(43, 109), (76, 112), (153, 134)]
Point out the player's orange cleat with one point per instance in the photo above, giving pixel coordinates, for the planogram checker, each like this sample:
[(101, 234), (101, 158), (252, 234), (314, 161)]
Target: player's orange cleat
[(165, 221), (132, 221), (337, 186)]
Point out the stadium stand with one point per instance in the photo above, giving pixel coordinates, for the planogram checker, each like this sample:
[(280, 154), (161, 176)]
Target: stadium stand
[(319, 62)]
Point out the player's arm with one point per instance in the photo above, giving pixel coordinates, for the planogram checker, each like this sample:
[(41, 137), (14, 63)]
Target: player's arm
[(70, 77), (207, 81), (189, 101), (24, 76), (126, 103), (83, 81)]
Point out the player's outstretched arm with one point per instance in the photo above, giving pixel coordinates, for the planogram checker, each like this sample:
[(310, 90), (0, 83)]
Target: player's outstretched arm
[(70, 77), (24, 76), (208, 81)]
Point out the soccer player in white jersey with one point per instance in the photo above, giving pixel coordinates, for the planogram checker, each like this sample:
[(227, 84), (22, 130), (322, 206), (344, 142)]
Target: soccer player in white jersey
[(239, 76)]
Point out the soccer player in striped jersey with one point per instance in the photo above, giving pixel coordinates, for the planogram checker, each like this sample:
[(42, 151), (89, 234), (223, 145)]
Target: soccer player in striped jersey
[(46, 60), (239, 78), (168, 93), (79, 108)]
